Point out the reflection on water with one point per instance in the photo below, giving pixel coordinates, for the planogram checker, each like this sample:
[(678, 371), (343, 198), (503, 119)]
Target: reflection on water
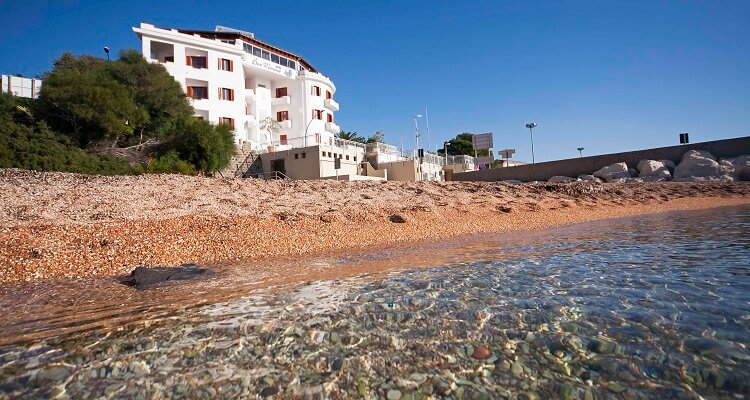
[(655, 306)]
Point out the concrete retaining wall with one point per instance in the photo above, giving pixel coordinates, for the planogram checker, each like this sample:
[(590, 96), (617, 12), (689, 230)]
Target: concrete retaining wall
[(587, 165)]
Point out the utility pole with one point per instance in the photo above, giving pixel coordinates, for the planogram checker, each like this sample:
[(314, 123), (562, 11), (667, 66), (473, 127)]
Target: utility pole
[(427, 123)]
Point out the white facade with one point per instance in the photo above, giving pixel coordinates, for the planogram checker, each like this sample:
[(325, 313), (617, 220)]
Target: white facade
[(233, 78), (21, 87)]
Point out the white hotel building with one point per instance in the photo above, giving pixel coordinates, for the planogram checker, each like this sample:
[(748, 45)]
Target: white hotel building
[(233, 78)]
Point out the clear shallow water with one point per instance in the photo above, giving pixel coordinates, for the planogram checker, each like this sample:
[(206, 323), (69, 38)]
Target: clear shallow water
[(648, 307)]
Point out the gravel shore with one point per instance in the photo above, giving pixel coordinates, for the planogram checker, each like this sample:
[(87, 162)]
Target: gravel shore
[(60, 225)]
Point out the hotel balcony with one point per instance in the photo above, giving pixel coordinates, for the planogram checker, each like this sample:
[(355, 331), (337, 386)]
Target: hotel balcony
[(332, 127), (281, 101), (331, 104)]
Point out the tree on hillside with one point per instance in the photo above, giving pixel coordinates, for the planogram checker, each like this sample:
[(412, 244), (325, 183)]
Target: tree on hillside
[(209, 148), (155, 91), (82, 99), (115, 106)]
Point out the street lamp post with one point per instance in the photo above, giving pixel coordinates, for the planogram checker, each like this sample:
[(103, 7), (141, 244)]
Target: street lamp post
[(306, 128), (580, 151), (445, 151), (531, 126), (106, 50)]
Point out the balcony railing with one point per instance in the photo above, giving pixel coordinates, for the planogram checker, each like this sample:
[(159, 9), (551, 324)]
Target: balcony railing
[(331, 104), (348, 144), (281, 101), (332, 127)]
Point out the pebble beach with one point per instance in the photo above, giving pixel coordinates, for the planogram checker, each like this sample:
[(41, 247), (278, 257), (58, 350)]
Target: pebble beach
[(61, 225)]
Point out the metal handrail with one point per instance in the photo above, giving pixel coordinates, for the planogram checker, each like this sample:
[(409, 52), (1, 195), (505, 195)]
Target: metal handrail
[(271, 174)]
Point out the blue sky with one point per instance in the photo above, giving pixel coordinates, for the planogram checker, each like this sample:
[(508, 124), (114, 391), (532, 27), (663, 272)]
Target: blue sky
[(606, 75)]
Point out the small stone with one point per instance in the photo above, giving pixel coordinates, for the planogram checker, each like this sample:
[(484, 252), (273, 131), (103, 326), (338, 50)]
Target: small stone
[(268, 391), (516, 368), (567, 392), (55, 373), (481, 353), (615, 387), (603, 346), (393, 394), (139, 368), (397, 219), (337, 364)]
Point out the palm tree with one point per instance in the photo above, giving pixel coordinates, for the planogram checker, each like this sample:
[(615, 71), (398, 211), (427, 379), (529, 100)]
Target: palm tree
[(349, 136)]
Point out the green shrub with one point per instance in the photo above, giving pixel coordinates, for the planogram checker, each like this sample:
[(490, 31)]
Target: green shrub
[(169, 163)]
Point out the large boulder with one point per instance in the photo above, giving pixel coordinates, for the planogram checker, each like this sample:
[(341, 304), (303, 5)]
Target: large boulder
[(560, 179), (697, 165), (662, 175), (143, 278), (738, 167), (653, 171), (590, 178), (669, 164), (612, 172)]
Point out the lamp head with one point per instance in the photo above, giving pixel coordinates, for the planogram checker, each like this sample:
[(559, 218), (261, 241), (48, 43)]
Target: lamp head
[(106, 49), (418, 116), (531, 125)]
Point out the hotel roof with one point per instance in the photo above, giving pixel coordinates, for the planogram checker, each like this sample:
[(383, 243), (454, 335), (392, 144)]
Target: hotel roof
[(249, 38)]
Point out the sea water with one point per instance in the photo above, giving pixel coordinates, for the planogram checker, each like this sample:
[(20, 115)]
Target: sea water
[(647, 307)]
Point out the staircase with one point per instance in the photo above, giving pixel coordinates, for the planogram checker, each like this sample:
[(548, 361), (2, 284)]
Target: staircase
[(240, 164)]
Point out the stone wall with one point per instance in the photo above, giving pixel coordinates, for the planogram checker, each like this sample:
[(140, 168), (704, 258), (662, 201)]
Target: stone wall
[(586, 165)]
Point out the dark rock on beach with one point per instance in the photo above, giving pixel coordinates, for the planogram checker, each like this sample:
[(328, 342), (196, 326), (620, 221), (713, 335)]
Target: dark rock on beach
[(144, 278)]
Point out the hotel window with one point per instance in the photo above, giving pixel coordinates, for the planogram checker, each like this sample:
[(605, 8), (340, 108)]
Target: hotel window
[(226, 65), (328, 94), (355, 158), (275, 58), (347, 157), (323, 153), (282, 139), (317, 139), (304, 155), (226, 94), (257, 52), (330, 117), (282, 116), (196, 61), (266, 55), (329, 154), (197, 92), (168, 59), (284, 62), (281, 92), (292, 64), (317, 114), (226, 121), (296, 156), (315, 91)]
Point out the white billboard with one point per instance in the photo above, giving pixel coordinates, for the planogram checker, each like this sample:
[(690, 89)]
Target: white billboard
[(482, 141)]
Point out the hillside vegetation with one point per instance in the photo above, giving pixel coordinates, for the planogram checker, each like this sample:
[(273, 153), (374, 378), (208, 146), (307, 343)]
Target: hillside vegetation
[(94, 116)]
